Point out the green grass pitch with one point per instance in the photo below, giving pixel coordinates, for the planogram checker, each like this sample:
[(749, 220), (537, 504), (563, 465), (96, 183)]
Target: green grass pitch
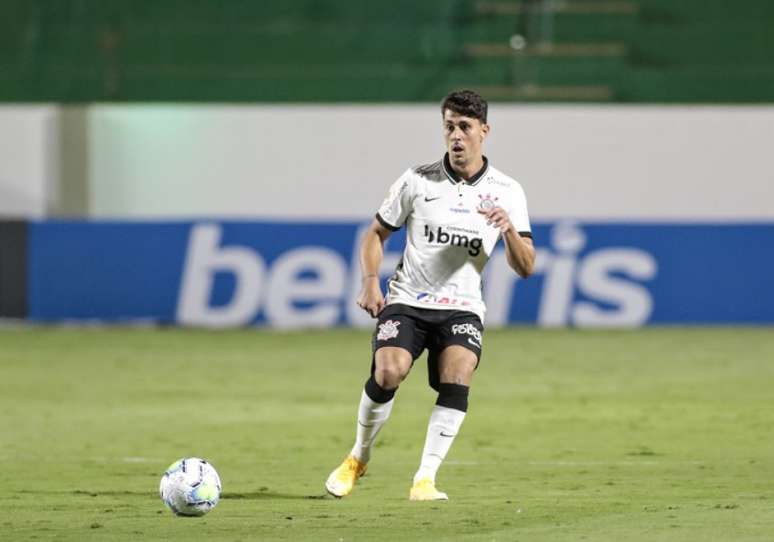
[(657, 434)]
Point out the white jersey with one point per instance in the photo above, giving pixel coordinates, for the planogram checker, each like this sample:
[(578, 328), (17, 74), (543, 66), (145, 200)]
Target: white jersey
[(448, 242)]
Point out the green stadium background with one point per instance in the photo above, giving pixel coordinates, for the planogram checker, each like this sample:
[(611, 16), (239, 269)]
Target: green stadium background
[(632, 51)]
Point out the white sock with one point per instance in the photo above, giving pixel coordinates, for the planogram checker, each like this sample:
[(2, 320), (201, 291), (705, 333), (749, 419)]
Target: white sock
[(443, 427), (370, 419)]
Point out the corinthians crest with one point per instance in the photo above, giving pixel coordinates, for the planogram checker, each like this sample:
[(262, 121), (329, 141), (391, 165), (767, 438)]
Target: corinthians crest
[(487, 202), (388, 330)]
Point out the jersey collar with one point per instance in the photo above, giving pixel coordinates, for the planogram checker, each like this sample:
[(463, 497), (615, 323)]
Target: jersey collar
[(454, 178)]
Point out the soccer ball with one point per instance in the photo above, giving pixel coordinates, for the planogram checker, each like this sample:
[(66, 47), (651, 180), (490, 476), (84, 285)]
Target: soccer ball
[(190, 487)]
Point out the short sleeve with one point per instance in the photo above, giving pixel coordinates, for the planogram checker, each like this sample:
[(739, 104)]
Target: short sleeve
[(518, 211), (396, 207)]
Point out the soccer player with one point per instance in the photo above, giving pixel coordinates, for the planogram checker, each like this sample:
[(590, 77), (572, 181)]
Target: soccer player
[(455, 210)]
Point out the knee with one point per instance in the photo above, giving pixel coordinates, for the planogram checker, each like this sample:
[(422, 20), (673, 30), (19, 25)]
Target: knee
[(391, 370), (456, 365), (388, 376), (458, 373)]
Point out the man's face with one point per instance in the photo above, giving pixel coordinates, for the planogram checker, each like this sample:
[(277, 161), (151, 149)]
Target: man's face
[(463, 136)]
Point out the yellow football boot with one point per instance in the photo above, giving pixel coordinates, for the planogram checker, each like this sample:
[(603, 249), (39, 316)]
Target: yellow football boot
[(342, 480), (424, 490)]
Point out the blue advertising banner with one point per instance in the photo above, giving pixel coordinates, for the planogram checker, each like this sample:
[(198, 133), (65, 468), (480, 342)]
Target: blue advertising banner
[(291, 275)]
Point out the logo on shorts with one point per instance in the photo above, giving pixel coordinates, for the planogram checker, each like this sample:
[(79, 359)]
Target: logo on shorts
[(468, 329), (388, 330)]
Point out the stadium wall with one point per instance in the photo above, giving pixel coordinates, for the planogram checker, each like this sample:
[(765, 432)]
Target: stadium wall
[(254, 162), (588, 163), (28, 160)]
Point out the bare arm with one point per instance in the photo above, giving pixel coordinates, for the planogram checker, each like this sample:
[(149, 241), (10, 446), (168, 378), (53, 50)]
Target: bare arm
[(519, 251), (371, 255)]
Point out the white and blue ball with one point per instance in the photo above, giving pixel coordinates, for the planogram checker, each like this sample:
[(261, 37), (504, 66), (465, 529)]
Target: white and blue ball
[(190, 487)]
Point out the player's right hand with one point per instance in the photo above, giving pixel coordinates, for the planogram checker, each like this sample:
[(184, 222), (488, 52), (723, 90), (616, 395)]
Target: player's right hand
[(371, 299)]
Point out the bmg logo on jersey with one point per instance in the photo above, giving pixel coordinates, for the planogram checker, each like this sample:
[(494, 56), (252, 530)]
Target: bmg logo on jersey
[(443, 237)]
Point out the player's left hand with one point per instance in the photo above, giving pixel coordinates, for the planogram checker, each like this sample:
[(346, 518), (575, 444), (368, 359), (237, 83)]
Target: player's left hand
[(497, 217)]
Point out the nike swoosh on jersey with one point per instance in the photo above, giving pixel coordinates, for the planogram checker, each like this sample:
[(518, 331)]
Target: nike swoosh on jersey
[(432, 199), (474, 343)]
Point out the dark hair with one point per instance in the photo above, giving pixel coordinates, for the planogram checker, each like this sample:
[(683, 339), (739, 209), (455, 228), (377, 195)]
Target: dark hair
[(467, 103)]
